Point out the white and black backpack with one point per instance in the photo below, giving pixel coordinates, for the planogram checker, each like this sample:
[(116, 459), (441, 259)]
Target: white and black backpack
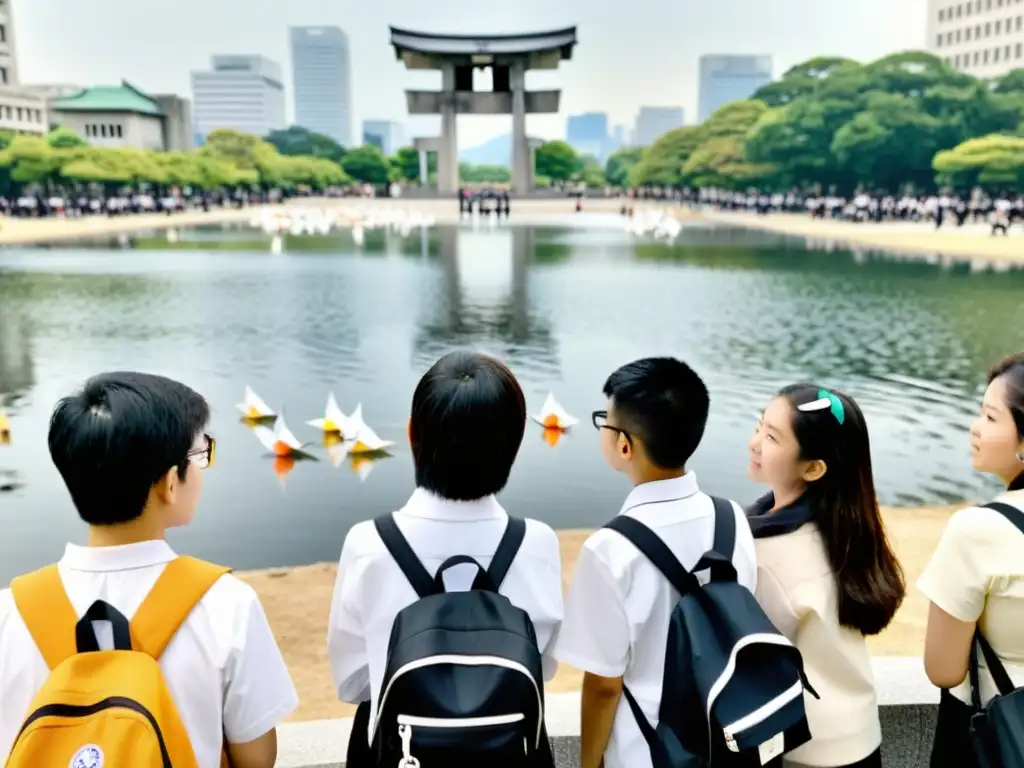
[(464, 683), (733, 686)]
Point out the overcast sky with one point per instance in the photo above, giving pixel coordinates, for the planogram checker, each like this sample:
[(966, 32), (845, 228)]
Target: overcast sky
[(630, 52)]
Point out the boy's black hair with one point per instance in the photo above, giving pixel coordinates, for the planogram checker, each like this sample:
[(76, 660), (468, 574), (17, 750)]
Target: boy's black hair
[(664, 403), (468, 421), (113, 440)]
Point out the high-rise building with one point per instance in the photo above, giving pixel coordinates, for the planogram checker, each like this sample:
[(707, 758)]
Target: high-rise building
[(984, 38), (588, 133), (386, 135), (725, 78), (652, 122), (243, 93), (323, 81), (8, 51)]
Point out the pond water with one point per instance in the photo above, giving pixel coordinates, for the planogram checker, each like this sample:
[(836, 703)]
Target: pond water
[(564, 302)]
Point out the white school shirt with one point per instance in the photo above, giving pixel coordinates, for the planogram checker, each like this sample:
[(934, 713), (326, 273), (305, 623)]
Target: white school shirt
[(223, 668), (977, 575), (618, 609), (371, 589)]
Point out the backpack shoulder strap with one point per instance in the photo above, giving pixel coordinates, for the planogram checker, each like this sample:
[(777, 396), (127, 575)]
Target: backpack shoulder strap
[(48, 613), (655, 550), (402, 553), (179, 588), (1010, 512), (507, 550), (995, 667), (725, 527)]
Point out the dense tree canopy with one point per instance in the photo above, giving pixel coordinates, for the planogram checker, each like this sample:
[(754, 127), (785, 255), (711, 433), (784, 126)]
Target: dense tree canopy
[(837, 124)]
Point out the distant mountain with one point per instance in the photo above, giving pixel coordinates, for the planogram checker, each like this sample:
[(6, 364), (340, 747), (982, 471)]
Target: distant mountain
[(497, 151)]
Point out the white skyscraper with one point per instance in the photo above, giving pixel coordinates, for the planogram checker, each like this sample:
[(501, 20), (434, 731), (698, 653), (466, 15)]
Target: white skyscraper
[(984, 38), (323, 81), (652, 122), (243, 93), (8, 51)]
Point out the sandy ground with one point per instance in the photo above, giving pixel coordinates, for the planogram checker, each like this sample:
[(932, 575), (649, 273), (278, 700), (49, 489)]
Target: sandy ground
[(970, 242), (297, 602)]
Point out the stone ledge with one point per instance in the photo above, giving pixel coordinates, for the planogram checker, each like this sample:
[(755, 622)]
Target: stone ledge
[(908, 702)]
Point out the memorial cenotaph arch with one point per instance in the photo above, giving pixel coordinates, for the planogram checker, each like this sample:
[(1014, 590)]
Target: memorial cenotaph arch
[(457, 56)]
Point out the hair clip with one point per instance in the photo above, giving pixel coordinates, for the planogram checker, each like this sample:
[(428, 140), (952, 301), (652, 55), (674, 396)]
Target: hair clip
[(826, 400)]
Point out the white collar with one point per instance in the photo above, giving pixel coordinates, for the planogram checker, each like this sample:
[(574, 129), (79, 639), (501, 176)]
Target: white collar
[(429, 506), (674, 489), (125, 557)]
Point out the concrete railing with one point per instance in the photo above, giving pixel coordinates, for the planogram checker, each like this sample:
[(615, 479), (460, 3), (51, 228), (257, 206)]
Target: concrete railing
[(908, 708)]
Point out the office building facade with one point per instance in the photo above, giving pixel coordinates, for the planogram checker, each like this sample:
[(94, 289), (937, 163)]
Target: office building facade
[(321, 65), (386, 135), (725, 78), (21, 110), (241, 93), (984, 38), (652, 122)]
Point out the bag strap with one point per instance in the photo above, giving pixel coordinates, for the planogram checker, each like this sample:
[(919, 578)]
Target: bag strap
[(180, 587), (48, 613), (507, 550), (402, 554), (655, 550), (659, 756), (995, 667), (725, 527), (52, 620)]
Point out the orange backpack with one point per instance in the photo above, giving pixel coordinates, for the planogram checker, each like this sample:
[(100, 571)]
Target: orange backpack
[(106, 709)]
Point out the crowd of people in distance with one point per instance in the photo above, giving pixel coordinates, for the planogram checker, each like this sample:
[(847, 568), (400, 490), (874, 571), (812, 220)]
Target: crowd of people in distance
[(707, 630)]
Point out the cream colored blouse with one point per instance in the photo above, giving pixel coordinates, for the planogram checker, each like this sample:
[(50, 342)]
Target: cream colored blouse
[(797, 590)]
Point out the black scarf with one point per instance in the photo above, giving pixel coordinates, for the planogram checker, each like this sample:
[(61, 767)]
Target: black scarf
[(764, 523)]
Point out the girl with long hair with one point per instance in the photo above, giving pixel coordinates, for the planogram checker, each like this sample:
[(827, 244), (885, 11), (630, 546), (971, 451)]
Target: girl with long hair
[(975, 579), (827, 577)]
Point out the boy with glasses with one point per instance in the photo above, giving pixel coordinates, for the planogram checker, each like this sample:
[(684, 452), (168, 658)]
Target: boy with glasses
[(618, 608), (131, 449)]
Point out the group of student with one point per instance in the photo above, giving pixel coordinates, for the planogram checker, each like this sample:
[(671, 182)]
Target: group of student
[(125, 653)]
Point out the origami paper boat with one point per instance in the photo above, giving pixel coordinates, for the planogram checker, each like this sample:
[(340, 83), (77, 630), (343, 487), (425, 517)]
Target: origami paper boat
[(554, 416), (337, 423), (280, 440), (254, 408)]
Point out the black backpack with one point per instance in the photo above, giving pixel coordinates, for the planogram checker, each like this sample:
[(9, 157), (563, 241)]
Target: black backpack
[(732, 692), (997, 731), (464, 683)]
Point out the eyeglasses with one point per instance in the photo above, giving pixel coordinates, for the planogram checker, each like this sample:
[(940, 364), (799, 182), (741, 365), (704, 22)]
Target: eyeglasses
[(206, 456), (600, 419)]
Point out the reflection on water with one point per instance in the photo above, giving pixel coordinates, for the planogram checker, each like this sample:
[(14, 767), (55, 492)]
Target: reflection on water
[(563, 304)]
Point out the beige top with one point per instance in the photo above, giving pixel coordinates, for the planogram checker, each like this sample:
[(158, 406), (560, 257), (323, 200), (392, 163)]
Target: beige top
[(977, 575), (797, 590)]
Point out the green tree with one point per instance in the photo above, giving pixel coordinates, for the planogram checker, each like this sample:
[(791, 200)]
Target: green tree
[(484, 174), (991, 161), (619, 163), (299, 141), (64, 138), (367, 164), (722, 162), (662, 163), (406, 164), (557, 160)]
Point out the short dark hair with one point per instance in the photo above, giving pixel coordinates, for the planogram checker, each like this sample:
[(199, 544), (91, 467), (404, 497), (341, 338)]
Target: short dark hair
[(113, 440), (468, 421), (1012, 369), (665, 404)]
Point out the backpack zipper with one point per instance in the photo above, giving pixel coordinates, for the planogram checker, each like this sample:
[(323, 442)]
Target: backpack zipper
[(465, 661), (763, 712), (112, 702), (407, 722), (459, 722), (723, 680)]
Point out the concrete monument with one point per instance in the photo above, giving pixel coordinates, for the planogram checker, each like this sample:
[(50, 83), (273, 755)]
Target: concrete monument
[(457, 56)]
